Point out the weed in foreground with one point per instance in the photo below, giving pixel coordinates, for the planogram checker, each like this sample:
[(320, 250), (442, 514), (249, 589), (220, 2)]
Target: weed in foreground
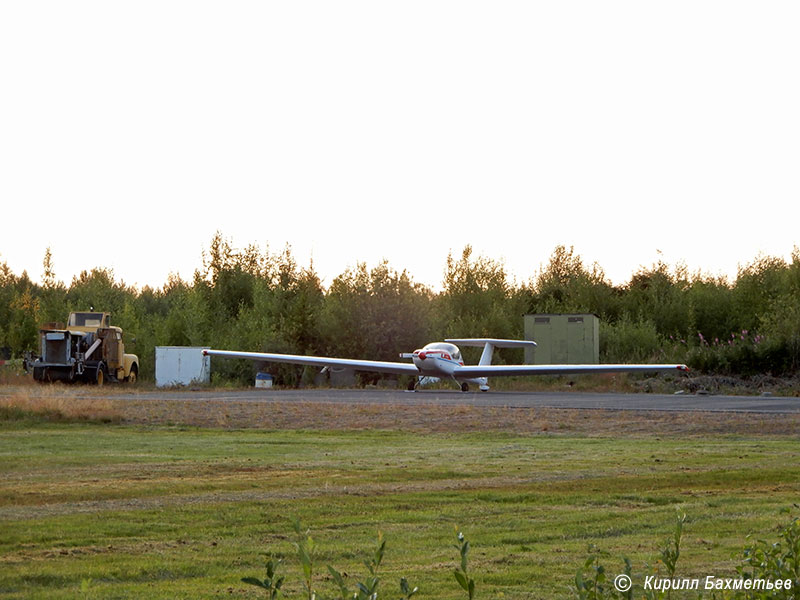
[(777, 563), (271, 583), (365, 590), (461, 574), (768, 571)]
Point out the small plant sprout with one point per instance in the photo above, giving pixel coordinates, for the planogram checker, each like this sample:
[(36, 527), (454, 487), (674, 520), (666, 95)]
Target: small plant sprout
[(596, 585), (368, 590), (406, 589), (305, 553), (461, 573), (85, 585), (344, 593), (779, 560), (365, 590), (271, 583), (672, 551)]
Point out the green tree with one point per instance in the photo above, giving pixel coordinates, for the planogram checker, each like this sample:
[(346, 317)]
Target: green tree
[(53, 293), (478, 299), (375, 313), (7, 291), (298, 298), (24, 324), (758, 285), (566, 285), (658, 295), (712, 313), (97, 290)]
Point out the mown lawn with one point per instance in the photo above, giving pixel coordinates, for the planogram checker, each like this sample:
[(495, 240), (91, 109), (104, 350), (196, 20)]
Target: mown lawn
[(116, 511)]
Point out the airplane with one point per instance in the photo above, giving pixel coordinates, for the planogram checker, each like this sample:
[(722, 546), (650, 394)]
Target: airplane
[(442, 360)]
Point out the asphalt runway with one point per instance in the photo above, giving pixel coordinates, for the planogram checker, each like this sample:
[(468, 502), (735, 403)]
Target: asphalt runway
[(572, 400)]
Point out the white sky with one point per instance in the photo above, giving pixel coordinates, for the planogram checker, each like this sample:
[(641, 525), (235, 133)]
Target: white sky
[(131, 131)]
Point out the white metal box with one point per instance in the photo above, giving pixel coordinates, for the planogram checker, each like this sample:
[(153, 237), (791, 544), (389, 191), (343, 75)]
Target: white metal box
[(263, 380), (181, 365)]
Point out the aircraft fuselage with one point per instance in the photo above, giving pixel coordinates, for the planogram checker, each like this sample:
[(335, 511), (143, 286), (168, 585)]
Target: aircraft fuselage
[(438, 359)]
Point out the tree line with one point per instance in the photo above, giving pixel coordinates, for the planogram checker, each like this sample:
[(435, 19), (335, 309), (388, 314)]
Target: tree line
[(252, 299)]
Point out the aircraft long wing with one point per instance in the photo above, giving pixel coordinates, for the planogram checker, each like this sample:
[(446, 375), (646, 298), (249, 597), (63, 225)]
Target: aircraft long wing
[(481, 342), (510, 370), (322, 361)]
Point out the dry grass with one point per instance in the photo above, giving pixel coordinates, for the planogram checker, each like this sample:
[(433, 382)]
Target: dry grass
[(62, 404), (14, 377), (57, 402)]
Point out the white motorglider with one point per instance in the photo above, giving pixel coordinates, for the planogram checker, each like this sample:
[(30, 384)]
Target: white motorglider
[(442, 360)]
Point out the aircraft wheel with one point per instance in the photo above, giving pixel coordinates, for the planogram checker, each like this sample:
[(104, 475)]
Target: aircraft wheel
[(465, 387), (412, 385)]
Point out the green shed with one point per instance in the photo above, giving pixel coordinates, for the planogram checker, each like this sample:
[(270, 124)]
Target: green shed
[(563, 339)]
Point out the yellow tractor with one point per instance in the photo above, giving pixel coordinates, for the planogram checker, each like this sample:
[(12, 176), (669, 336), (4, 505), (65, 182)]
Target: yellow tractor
[(88, 349)]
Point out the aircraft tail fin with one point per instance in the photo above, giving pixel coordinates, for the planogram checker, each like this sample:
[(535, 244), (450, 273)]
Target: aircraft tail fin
[(489, 344)]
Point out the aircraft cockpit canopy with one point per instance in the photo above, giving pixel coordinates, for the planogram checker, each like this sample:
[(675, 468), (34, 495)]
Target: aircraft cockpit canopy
[(451, 349)]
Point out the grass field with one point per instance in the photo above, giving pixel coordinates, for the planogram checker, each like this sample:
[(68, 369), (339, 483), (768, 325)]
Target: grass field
[(131, 511)]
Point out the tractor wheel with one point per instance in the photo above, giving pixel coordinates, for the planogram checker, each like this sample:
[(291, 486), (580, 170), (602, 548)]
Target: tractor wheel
[(131, 378), (100, 376)]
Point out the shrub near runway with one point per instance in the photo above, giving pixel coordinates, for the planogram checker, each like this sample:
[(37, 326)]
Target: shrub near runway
[(164, 512)]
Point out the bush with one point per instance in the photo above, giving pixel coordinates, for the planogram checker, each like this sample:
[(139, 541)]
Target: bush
[(629, 341), (742, 353)]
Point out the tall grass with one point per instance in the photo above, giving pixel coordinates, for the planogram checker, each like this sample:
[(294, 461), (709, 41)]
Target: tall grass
[(40, 403)]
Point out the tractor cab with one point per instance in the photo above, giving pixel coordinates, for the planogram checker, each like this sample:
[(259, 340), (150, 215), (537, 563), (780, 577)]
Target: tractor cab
[(88, 322)]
